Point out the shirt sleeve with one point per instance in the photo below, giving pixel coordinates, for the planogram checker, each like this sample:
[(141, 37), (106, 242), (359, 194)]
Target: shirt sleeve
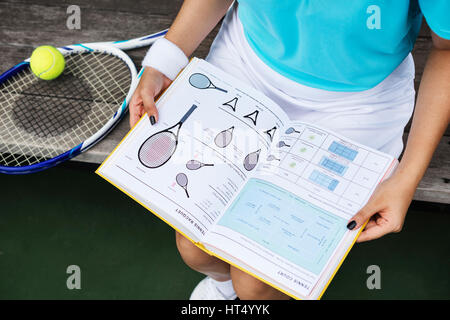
[(437, 15)]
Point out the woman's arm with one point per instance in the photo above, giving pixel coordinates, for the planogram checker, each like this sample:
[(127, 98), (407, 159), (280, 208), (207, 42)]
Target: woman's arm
[(431, 115), (195, 20), (388, 206)]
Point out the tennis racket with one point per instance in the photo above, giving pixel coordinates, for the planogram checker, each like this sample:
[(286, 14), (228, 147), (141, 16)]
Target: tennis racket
[(195, 165), (43, 123), (160, 147), (182, 181), (200, 81)]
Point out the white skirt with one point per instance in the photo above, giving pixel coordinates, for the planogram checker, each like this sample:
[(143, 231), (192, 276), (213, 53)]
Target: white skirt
[(375, 117)]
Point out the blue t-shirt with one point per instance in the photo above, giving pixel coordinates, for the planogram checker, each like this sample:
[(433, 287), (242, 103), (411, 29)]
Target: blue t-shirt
[(338, 45)]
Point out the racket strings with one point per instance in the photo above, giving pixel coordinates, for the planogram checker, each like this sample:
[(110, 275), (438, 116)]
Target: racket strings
[(24, 82), (41, 119), (51, 116), (101, 79), (157, 149)]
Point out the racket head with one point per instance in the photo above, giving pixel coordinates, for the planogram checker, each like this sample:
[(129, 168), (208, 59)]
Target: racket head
[(251, 160), (43, 123), (199, 81), (282, 144), (224, 138), (157, 149), (290, 130), (194, 165), (160, 147), (182, 180)]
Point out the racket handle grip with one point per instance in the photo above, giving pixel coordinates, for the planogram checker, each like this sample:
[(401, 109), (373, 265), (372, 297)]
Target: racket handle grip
[(223, 90), (187, 115)]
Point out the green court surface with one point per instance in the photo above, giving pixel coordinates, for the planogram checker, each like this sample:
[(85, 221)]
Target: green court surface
[(70, 216)]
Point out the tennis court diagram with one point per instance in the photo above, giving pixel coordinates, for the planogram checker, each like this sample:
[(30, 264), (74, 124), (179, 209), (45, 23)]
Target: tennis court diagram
[(323, 180), (343, 151), (333, 165)]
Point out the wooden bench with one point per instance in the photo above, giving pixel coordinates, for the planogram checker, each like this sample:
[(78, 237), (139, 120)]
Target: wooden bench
[(26, 24)]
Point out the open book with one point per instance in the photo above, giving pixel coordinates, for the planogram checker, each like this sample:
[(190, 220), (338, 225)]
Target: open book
[(226, 168)]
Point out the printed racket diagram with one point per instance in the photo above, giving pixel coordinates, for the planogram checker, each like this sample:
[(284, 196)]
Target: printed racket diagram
[(291, 130), (182, 181), (160, 147), (251, 160), (282, 144), (224, 138), (200, 81), (195, 165), (271, 157)]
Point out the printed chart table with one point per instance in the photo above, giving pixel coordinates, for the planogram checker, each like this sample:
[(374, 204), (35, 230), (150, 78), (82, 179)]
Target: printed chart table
[(327, 164)]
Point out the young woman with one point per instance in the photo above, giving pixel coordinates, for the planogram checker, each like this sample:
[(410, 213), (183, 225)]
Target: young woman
[(342, 64)]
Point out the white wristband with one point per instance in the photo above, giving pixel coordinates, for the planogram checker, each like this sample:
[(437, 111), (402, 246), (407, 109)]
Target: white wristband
[(166, 57)]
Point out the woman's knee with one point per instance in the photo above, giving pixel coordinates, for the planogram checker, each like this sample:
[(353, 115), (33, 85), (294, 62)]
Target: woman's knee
[(248, 287), (192, 255)]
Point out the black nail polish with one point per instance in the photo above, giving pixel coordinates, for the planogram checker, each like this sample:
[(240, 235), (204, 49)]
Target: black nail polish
[(351, 225), (152, 120)]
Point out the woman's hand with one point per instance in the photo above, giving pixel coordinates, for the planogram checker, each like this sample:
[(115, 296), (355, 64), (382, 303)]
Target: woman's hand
[(386, 209), (193, 23), (151, 85), (388, 205)]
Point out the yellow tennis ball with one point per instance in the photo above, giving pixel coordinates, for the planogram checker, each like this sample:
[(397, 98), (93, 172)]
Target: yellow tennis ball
[(47, 62)]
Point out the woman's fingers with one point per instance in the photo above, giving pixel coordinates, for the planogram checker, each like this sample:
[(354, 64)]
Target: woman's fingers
[(376, 228), (135, 114), (151, 84), (135, 108), (149, 106), (374, 232), (386, 210), (370, 224), (371, 208)]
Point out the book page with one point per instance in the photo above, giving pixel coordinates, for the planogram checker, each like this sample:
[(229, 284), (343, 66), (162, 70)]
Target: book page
[(325, 167), (212, 132), (291, 217)]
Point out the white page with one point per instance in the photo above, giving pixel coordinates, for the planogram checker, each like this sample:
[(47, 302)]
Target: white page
[(291, 218), (209, 189)]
